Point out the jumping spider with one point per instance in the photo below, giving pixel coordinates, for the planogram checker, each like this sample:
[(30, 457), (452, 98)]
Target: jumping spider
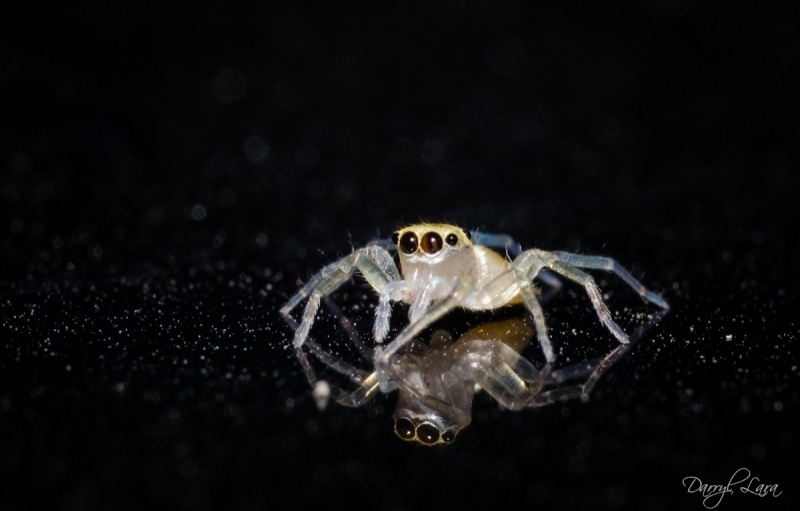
[(443, 267)]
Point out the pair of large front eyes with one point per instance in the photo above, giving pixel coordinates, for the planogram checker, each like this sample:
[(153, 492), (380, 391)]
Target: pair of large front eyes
[(430, 243), (425, 432)]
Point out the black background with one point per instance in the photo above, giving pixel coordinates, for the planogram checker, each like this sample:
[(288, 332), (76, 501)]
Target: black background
[(170, 173)]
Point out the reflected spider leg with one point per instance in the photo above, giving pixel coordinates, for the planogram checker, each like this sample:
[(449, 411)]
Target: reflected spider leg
[(347, 325), (600, 366), (340, 366), (580, 391), (367, 382), (515, 383), (374, 263)]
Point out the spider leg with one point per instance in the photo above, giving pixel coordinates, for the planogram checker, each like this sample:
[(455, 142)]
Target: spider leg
[(423, 299), (383, 311), (384, 243), (549, 397), (461, 290), (515, 383), (571, 272), (532, 302), (361, 395), (367, 383), (324, 282), (374, 263), (497, 241), (580, 391), (377, 267), (597, 368), (515, 380), (513, 249), (503, 373), (517, 281), (338, 365), (608, 264), (347, 326), (572, 372)]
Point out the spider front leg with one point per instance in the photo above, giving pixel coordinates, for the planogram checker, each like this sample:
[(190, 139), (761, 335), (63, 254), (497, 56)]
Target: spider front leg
[(374, 263), (461, 290)]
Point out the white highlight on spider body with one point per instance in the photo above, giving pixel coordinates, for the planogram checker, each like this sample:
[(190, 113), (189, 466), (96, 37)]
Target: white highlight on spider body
[(442, 268)]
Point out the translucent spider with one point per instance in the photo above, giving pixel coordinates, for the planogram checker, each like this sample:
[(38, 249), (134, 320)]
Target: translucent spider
[(444, 267)]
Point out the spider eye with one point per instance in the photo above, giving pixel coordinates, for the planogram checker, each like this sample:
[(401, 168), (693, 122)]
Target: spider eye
[(431, 243), (395, 238), (404, 428), (408, 243), (427, 433), (448, 436), (467, 234), (451, 239)]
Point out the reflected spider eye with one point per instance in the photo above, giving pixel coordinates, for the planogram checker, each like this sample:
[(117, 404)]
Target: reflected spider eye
[(408, 243), (431, 243), (448, 436), (427, 433), (404, 428), (451, 239)]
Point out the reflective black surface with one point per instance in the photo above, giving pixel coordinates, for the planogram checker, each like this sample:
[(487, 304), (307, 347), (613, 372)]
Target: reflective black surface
[(171, 173)]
